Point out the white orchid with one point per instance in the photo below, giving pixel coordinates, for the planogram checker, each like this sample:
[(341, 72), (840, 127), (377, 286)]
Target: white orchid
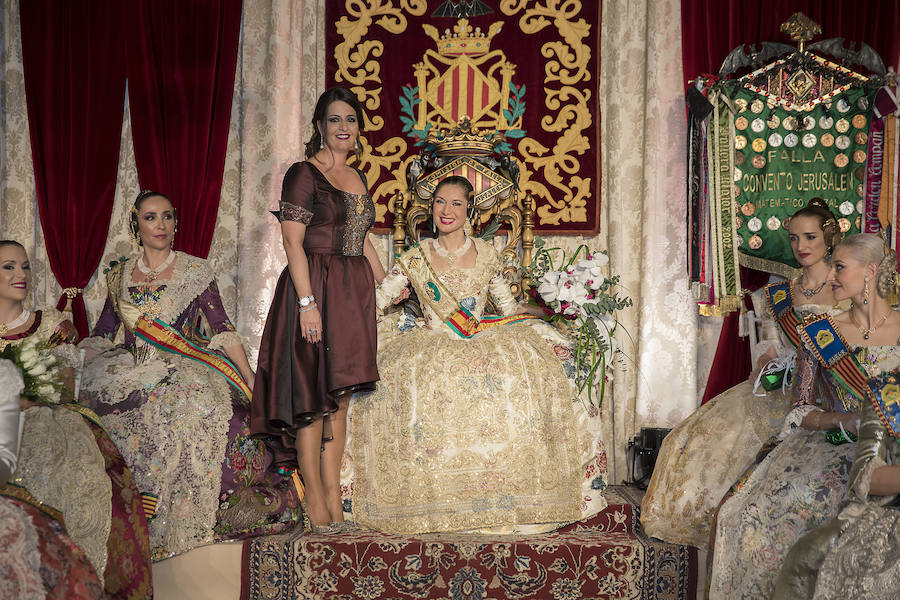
[(590, 271), (549, 286), (29, 356), (573, 291), (37, 370)]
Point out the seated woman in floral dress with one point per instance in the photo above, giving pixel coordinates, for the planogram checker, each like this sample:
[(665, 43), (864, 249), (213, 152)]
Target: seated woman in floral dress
[(704, 455), (69, 470), (175, 401), (801, 483), (474, 422), (856, 554), (39, 560)]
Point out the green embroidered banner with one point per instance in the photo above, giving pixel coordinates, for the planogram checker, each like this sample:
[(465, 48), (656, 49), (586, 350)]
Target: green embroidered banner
[(785, 157)]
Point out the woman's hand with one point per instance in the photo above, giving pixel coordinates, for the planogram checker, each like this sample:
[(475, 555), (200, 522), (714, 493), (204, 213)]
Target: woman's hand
[(402, 296), (851, 423), (529, 309), (311, 324)]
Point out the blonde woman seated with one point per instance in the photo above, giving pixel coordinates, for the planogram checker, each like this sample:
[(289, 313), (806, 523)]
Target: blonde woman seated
[(473, 423), (802, 482), (68, 466)]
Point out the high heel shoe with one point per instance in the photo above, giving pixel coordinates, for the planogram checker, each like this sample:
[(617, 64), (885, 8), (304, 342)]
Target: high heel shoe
[(325, 529), (347, 526)]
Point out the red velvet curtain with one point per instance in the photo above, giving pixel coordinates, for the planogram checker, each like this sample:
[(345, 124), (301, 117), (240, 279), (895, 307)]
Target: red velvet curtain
[(181, 59), (74, 72), (713, 28), (731, 364)]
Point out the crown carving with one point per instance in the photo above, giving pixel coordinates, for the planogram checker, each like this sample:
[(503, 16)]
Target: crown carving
[(464, 39), (464, 139), (801, 29)]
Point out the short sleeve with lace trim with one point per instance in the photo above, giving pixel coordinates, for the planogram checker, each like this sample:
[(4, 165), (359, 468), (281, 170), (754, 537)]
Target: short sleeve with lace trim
[(298, 192)]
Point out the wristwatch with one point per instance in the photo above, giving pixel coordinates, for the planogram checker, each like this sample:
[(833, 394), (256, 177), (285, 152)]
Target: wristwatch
[(305, 301)]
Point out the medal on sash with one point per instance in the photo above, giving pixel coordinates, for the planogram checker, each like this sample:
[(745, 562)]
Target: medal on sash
[(884, 393)]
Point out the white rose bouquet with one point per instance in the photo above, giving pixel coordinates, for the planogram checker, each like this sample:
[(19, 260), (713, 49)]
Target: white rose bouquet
[(40, 370), (581, 295)]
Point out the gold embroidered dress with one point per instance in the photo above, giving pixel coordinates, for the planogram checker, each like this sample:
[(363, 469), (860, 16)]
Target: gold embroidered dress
[(706, 453), (465, 433)]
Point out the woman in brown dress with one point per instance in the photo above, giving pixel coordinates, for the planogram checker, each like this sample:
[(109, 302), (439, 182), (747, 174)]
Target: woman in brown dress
[(319, 342)]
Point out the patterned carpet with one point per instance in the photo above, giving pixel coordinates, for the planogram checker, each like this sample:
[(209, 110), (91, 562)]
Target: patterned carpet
[(607, 556)]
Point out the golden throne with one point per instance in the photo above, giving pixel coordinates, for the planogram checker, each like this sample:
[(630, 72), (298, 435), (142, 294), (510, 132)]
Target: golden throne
[(464, 106)]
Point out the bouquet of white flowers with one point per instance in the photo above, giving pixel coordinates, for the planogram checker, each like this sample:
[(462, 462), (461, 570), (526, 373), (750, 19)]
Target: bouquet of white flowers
[(579, 294), (39, 369)]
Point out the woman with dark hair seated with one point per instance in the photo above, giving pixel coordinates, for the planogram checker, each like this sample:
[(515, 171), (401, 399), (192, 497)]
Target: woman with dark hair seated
[(167, 374), (705, 454)]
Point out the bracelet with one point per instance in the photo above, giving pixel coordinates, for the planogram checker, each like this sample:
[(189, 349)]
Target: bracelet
[(304, 301), (308, 308)]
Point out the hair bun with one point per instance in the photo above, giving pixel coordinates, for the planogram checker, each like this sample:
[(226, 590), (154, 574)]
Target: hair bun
[(819, 203)]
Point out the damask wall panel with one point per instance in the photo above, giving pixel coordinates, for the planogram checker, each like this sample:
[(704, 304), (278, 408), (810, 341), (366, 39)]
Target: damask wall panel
[(526, 69), (282, 69)]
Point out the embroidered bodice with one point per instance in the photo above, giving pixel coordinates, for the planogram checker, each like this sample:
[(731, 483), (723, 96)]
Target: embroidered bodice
[(336, 221), (191, 293), (472, 287)]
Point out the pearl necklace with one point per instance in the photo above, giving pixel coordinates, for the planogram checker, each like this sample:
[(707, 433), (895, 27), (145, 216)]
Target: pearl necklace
[(17, 322), (451, 255), (154, 273)]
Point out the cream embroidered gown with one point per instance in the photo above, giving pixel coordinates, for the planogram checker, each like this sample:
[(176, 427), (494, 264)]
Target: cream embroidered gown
[(703, 456), (469, 433)]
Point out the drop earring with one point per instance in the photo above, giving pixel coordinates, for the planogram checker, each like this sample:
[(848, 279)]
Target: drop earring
[(321, 143), (866, 292)]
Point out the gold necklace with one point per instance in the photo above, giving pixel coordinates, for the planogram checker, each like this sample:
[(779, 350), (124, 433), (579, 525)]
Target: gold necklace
[(865, 332)]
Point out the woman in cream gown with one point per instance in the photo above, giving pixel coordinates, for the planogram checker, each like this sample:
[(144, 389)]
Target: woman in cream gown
[(39, 560), (704, 455), (800, 484), (467, 432), (67, 461)]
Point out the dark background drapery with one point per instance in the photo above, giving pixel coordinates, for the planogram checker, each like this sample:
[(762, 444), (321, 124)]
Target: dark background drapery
[(713, 28), (181, 60), (74, 72)]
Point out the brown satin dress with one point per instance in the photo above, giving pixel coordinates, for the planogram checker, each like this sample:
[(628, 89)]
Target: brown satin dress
[(296, 381)]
